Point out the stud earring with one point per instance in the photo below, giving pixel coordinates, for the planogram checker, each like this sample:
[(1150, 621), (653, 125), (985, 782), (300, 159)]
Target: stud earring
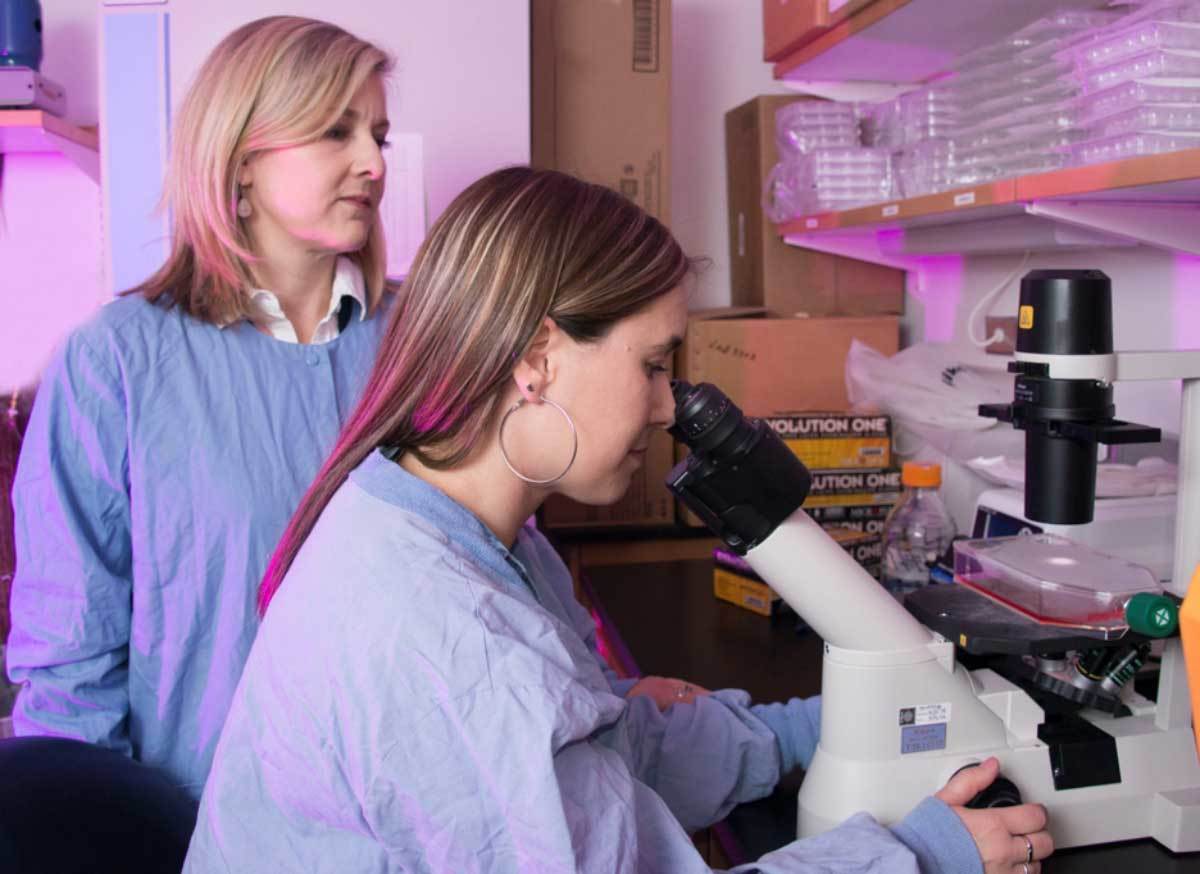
[(244, 209)]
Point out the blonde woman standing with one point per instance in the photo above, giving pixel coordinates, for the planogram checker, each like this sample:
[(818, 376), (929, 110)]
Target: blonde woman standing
[(175, 433)]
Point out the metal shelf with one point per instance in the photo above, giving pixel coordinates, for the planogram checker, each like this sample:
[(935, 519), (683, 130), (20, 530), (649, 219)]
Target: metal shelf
[(1151, 199), (32, 130), (911, 40)]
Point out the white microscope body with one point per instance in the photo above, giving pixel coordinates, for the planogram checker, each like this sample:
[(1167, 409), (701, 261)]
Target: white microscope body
[(900, 716)]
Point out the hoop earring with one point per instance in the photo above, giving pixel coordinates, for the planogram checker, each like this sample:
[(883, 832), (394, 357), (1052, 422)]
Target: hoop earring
[(509, 464)]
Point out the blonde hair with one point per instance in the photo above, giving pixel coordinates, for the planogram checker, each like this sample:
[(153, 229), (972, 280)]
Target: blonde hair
[(275, 82), (517, 247)]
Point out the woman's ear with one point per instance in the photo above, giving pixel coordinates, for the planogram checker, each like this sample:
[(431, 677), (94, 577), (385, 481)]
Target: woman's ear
[(535, 370)]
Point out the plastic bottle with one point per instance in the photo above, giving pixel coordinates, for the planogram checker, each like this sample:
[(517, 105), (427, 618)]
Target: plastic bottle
[(917, 532)]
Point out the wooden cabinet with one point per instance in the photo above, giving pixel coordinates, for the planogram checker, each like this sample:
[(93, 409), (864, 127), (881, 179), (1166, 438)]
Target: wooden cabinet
[(789, 24), (891, 40)]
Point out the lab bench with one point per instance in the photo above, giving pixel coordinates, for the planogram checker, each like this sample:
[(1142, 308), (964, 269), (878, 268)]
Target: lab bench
[(662, 618)]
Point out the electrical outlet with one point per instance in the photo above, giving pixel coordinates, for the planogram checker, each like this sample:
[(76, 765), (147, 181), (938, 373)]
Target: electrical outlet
[(1008, 343)]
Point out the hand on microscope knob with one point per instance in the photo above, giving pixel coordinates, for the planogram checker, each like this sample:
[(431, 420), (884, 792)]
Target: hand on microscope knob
[(667, 691), (1010, 840)]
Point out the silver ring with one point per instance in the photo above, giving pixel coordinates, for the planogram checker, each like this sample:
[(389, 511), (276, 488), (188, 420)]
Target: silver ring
[(682, 691), (1024, 868), (509, 464), (1028, 852)]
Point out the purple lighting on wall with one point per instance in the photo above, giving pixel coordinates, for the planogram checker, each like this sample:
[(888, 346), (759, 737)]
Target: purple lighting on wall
[(938, 284), (1185, 302)]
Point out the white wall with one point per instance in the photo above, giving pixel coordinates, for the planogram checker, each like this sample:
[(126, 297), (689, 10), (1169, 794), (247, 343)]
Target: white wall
[(50, 238), (462, 78), (716, 49)]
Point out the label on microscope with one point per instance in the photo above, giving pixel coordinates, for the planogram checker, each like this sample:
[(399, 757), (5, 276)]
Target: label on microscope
[(923, 728), (922, 738)]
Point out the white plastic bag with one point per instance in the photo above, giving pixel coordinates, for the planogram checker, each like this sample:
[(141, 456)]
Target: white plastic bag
[(925, 386)]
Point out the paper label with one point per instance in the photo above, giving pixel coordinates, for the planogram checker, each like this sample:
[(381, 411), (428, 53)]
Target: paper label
[(810, 223), (1025, 318), (922, 738), (890, 210), (964, 199), (923, 728)]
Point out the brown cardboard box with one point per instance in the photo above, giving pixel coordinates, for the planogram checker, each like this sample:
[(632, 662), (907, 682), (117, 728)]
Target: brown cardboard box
[(766, 271), (770, 365), (601, 94), (646, 503), (836, 440)]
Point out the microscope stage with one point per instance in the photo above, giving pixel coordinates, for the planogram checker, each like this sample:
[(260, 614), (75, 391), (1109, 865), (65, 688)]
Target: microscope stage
[(981, 626)]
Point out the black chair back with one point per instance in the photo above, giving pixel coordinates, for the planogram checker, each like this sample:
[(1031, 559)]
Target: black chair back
[(68, 807)]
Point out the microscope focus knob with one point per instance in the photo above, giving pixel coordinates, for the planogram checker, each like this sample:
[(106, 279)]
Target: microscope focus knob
[(1001, 793)]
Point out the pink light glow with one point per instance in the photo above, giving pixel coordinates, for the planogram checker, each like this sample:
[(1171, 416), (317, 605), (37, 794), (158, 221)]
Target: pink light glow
[(50, 261), (1185, 303), (939, 289)]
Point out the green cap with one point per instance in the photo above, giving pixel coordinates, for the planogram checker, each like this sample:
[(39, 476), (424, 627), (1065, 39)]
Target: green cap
[(1152, 615)]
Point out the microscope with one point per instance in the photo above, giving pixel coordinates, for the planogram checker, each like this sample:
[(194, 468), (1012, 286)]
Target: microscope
[(991, 665)]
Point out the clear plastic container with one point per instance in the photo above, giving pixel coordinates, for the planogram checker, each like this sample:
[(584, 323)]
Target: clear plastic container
[(1044, 36), (1152, 117), (805, 125), (1001, 78), (1054, 580), (918, 532), (827, 180), (1022, 165), (1051, 129), (1132, 145), (1131, 95), (1123, 42), (801, 142), (1014, 112), (1156, 64)]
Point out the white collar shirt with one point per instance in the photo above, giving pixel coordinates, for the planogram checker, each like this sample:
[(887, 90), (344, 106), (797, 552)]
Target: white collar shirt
[(347, 282)]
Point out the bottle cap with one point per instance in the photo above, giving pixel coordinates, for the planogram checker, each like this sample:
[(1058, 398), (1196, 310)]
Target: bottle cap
[(921, 474), (1152, 615)]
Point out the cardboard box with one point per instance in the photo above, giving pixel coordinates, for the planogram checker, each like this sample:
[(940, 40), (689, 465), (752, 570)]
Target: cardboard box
[(868, 518), (854, 488), (836, 441), (746, 591), (601, 94), (766, 271), (770, 366), (647, 503)]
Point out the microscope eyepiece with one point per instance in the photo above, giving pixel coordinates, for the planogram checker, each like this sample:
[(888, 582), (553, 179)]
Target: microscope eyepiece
[(707, 421), (740, 477)]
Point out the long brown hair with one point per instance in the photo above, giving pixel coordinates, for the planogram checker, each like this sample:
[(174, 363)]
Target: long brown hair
[(516, 247), (273, 83)]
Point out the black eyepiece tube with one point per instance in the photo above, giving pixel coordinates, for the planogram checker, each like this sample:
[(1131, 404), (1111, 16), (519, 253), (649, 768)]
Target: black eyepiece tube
[(1060, 479), (740, 477)]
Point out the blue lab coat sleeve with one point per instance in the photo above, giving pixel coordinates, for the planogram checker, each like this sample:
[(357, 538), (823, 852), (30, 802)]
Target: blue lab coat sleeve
[(71, 596)]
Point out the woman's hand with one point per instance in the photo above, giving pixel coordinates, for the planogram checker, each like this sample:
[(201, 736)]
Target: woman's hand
[(1010, 840), (666, 691)]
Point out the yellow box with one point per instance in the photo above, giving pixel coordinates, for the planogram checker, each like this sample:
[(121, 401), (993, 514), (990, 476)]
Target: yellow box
[(835, 440), (753, 595)]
